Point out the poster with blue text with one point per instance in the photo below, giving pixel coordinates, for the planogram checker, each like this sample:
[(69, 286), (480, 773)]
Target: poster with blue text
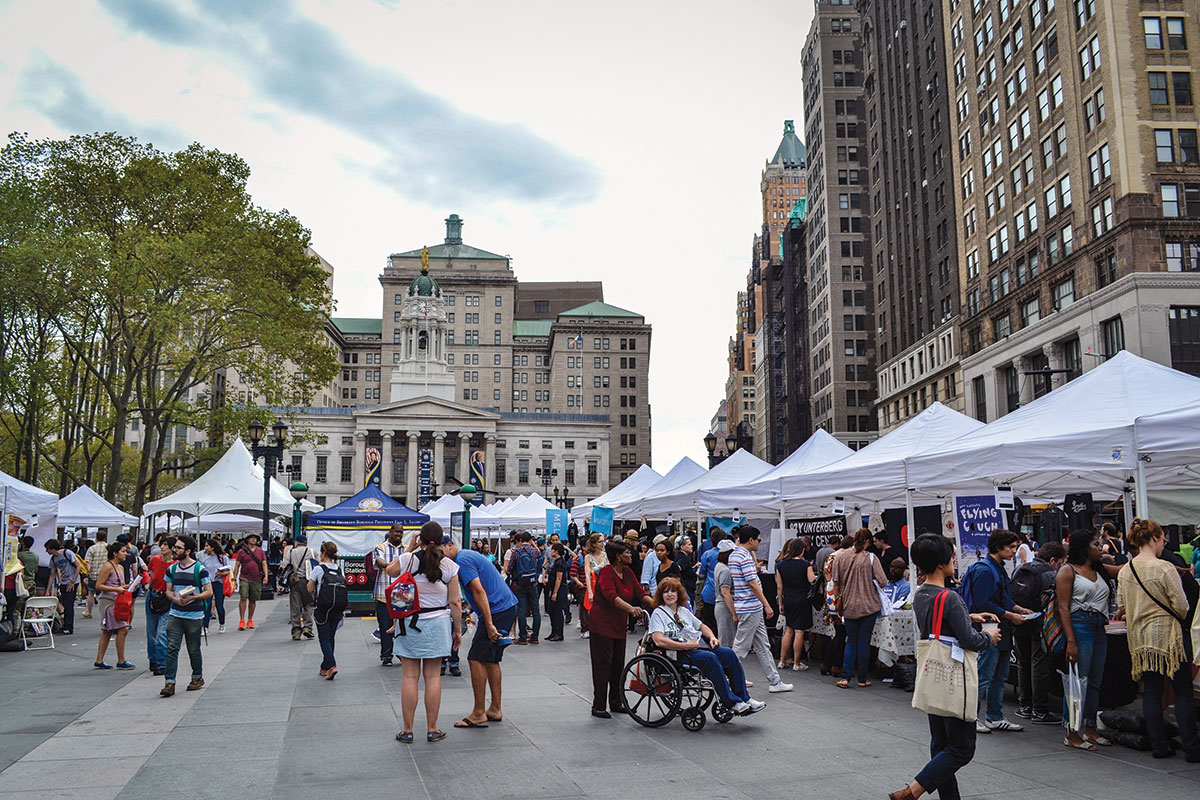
[(975, 517), (556, 522), (602, 521)]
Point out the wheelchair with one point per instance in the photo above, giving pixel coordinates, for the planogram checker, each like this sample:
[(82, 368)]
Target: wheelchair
[(656, 688)]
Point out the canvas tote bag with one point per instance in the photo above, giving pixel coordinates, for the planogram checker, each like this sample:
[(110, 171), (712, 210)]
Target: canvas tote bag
[(946, 687)]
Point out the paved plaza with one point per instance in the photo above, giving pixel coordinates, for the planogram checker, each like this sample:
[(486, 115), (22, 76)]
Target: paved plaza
[(267, 726)]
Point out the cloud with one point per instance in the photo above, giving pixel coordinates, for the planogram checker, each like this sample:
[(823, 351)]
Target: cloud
[(437, 153), (58, 94)]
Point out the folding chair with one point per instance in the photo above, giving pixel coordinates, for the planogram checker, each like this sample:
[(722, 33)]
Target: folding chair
[(40, 612)]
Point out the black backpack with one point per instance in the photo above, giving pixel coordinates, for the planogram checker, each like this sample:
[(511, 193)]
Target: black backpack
[(332, 594), (1026, 584)]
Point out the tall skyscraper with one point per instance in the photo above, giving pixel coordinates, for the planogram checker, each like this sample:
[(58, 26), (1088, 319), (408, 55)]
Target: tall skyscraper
[(914, 260), (1078, 170), (841, 307)]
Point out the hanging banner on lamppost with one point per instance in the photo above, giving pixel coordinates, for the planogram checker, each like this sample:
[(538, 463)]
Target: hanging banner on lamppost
[(374, 459), (478, 475), (425, 482)]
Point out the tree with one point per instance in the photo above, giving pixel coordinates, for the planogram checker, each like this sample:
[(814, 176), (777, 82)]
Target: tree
[(156, 274)]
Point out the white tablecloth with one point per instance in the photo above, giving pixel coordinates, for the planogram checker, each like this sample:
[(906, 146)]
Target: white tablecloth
[(895, 636)]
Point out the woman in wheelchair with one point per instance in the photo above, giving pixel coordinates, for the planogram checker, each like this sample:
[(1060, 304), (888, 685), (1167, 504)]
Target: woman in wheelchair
[(674, 627)]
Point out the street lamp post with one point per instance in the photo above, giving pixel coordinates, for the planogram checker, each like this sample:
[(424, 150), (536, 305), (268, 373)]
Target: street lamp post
[(272, 456), (467, 493), (299, 491), (562, 499), (547, 476), (710, 444)]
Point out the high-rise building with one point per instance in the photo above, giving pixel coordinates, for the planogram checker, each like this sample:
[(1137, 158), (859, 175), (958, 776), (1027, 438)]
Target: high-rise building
[(1078, 170), (782, 185), (912, 209), (841, 307)]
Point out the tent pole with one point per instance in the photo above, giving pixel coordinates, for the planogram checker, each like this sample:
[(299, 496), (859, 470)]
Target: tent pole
[(1143, 500), (1127, 508)]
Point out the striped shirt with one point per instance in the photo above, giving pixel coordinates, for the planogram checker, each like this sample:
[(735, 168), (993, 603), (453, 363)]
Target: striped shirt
[(95, 557), (388, 552), (744, 572)]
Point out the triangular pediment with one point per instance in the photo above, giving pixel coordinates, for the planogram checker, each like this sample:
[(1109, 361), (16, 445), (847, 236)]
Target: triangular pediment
[(419, 407)]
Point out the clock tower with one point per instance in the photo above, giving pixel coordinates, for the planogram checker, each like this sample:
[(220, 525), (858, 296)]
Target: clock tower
[(422, 370)]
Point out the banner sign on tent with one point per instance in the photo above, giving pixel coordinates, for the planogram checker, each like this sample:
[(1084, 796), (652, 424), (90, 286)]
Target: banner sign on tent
[(425, 484), (724, 523), (975, 517), (602, 521), (374, 459), (556, 522), (821, 531)]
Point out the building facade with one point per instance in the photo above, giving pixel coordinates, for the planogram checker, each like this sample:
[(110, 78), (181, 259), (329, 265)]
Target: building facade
[(912, 209), (1079, 179), (842, 367)]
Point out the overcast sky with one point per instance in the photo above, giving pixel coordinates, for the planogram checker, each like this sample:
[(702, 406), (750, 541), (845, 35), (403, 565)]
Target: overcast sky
[(620, 141)]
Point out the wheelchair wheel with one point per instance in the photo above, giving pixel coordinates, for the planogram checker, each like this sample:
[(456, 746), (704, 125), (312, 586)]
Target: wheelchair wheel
[(697, 690), (652, 690), (693, 719), (721, 712)]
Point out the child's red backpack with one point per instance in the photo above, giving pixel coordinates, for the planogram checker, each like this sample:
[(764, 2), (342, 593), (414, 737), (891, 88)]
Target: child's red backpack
[(402, 598)]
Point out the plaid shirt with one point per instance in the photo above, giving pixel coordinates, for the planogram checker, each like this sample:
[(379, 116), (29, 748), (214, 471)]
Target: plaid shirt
[(388, 552), (95, 557)]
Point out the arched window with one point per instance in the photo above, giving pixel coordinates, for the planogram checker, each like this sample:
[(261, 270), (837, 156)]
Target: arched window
[(423, 340)]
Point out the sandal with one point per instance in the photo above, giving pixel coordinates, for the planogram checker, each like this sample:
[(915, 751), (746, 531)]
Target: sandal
[(466, 722), (864, 684), (1100, 740), (1084, 745), (404, 738), (799, 666), (843, 684), (435, 736)]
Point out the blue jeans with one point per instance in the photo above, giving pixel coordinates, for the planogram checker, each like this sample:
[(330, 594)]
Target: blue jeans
[(858, 646), (178, 630), (527, 596), (385, 639), (952, 746), (993, 672), (325, 632), (156, 636), (1093, 649), (218, 601), (721, 666)]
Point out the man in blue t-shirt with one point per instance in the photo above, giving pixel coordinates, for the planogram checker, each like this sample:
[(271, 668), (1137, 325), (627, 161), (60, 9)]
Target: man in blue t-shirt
[(495, 606), (704, 575), (189, 587)]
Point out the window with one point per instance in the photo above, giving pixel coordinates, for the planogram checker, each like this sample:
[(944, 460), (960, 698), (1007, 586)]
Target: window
[(1106, 269), (322, 469), (1176, 38), (1153, 31), (1063, 294), (1012, 389), (1089, 58), (1100, 166), (1031, 312), (1158, 88), (1094, 111), (1112, 334), (1170, 199), (501, 471), (347, 469), (1164, 147), (593, 471), (522, 471), (1003, 327), (980, 399), (1102, 216)]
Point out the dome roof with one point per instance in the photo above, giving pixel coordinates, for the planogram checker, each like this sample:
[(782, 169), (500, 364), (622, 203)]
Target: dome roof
[(424, 286)]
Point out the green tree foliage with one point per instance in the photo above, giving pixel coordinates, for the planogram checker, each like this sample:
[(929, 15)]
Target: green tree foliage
[(134, 284)]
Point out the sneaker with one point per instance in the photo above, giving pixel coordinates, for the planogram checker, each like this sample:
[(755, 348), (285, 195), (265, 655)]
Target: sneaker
[(125, 665), (250, 624), (779, 687), (749, 684), (585, 635), (385, 662), (1045, 718), (375, 635), (242, 625), (308, 634), (221, 629), (1004, 725), (295, 637), (195, 683), (168, 690), (741, 708), (1024, 712), (158, 671), (981, 727), (756, 705), (455, 670), (101, 665)]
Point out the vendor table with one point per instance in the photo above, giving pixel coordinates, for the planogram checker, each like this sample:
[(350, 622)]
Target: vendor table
[(895, 636)]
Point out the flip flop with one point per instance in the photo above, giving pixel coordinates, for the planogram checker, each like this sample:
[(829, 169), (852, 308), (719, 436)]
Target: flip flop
[(466, 723), (843, 684), (864, 684), (405, 738), (495, 719), (435, 736), (1084, 745)]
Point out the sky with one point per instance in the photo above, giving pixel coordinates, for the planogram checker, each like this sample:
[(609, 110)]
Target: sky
[(621, 141)]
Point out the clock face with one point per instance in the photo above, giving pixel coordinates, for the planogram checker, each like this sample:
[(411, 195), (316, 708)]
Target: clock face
[(426, 308)]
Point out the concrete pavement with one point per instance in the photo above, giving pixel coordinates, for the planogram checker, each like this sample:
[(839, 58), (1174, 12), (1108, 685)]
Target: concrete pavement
[(267, 726)]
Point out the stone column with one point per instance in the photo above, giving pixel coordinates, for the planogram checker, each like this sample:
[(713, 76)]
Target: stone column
[(414, 469), (385, 466), (490, 455), (464, 456), (439, 460), (359, 473), (1024, 381), (1053, 355)]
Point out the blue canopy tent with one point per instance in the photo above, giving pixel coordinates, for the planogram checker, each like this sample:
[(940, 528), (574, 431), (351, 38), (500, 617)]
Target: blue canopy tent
[(356, 525)]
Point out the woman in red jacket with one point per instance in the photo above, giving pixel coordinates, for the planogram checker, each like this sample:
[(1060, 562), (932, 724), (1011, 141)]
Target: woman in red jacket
[(618, 594)]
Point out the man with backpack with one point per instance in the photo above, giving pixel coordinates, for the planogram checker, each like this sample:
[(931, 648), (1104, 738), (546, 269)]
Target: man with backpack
[(64, 574), (158, 605), (189, 587), (1029, 585), (296, 567), (327, 585), (985, 588), (524, 569)]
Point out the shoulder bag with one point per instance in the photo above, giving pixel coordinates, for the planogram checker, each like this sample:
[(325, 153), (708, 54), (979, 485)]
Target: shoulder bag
[(945, 687), (885, 602)]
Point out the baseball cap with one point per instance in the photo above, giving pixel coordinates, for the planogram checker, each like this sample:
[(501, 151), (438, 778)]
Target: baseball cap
[(446, 539), (725, 545)]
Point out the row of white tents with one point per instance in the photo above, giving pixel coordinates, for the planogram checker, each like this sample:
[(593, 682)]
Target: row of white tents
[(524, 511), (1127, 426)]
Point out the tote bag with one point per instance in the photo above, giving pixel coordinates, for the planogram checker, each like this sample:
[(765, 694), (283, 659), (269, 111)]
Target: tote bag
[(945, 687), (885, 602)]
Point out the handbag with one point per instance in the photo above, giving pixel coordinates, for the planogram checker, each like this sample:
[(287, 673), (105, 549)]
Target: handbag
[(123, 607), (885, 602), (945, 687)]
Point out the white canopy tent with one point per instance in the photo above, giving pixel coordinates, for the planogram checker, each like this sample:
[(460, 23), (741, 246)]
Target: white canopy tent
[(440, 510), (234, 483), (642, 478), (1171, 438), (764, 494), (526, 512), (1082, 436), (26, 501), (83, 508), (709, 491), (682, 473), (218, 523)]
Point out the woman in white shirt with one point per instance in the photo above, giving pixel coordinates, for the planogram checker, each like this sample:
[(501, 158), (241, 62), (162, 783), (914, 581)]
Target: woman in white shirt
[(673, 627), (423, 639)]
